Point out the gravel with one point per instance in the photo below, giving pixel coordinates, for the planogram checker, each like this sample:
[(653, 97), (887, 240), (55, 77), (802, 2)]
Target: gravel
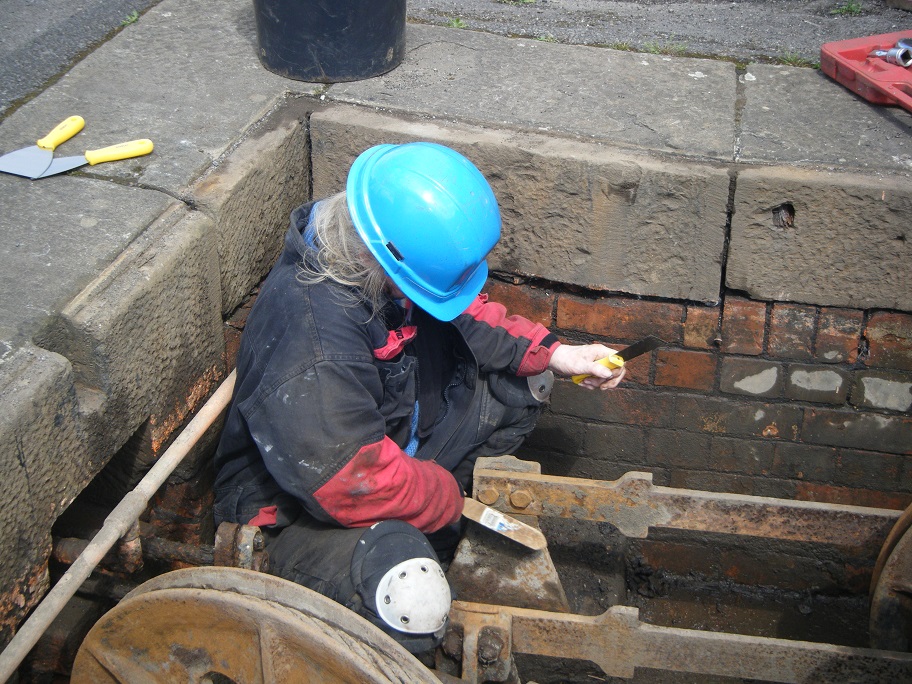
[(780, 31)]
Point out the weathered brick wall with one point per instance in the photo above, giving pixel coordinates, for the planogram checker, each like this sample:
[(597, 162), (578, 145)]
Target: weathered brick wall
[(762, 398)]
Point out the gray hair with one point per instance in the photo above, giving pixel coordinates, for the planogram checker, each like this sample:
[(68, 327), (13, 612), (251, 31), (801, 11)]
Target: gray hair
[(342, 257)]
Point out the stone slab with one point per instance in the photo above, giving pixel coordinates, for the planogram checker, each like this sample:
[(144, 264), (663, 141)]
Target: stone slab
[(43, 466), (186, 76), (250, 194), (848, 243), (145, 330), (628, 99), (572, 213), (58, 234), (794, 115)]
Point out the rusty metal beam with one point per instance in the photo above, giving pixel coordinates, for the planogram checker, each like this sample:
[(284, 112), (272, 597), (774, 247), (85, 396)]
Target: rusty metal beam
[(633, 505), (618, 643)]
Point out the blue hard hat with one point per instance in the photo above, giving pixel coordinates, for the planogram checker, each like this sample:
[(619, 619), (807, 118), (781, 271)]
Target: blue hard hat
[(429, 217)]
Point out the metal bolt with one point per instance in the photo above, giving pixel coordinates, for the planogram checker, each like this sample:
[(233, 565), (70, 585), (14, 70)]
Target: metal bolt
[(520, 499), (488, 496), (490, 646), (452, 643)]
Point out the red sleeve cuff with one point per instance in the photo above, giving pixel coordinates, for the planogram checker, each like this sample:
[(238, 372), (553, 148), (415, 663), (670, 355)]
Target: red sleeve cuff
[(381, 482), (538, 356)]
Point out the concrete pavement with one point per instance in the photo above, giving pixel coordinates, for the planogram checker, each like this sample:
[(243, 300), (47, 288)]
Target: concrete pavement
[(617, 171)]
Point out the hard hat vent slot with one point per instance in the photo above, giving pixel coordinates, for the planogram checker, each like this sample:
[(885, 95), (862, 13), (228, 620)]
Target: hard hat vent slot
[(395, 252)]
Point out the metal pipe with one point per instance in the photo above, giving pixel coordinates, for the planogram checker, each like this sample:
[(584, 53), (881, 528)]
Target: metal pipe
[(171, 551), (115, 526), (67, 549)]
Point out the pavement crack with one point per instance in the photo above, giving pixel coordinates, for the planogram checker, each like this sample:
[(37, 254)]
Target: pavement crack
[(741, 75)]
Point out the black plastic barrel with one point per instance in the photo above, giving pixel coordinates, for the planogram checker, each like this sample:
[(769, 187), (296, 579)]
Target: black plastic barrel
[(328, 41)]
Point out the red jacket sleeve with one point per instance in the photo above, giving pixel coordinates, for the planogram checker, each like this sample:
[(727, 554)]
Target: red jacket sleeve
[(505, 343), (382, 482)]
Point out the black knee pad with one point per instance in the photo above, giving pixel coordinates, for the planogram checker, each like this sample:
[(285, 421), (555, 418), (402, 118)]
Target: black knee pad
[(384, 546), (521, 392)]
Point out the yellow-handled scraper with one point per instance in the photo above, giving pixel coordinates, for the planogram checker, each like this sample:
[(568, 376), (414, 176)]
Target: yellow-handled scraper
[(33, 161), (618, 359), (127, 150), (504, 525)]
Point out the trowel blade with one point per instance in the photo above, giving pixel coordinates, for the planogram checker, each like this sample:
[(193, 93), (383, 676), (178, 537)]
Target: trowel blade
[(33, 161)]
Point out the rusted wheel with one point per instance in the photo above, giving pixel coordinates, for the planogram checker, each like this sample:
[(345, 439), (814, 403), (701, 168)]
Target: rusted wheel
[(903, 523), (891, 592), (220, 625)]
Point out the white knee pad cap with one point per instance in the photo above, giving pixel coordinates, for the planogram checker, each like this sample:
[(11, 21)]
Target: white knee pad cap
[(414, 597)]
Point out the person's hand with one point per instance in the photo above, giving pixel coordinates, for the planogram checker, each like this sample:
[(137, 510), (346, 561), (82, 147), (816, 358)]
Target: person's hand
[(580, 359)]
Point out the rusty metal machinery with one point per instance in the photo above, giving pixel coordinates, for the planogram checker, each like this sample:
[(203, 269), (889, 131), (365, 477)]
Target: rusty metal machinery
[(891, 590), (221, 624), (484, 635), (231, 625)]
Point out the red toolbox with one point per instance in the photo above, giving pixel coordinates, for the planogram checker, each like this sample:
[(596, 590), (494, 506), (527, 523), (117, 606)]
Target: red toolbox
[(873, 78)]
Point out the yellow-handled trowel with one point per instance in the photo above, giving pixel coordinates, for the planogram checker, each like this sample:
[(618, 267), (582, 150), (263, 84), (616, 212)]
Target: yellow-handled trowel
[(33, 161), (126, 150)]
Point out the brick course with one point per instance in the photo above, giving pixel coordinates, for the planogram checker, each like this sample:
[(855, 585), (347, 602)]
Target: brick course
[(791, 334), (686, 369), (889, 337), (743, 418), (838, 335), (701, 328), (851, 496), (857, 430), (770, 399), (621, 319), (743, 326), (711, 482), (622, 405)]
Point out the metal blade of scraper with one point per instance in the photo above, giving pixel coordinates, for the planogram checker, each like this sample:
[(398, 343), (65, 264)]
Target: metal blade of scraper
[(647, 344), (504, 525)]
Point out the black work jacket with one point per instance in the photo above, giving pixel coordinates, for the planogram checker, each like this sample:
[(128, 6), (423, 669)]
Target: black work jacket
[(311, 391)]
